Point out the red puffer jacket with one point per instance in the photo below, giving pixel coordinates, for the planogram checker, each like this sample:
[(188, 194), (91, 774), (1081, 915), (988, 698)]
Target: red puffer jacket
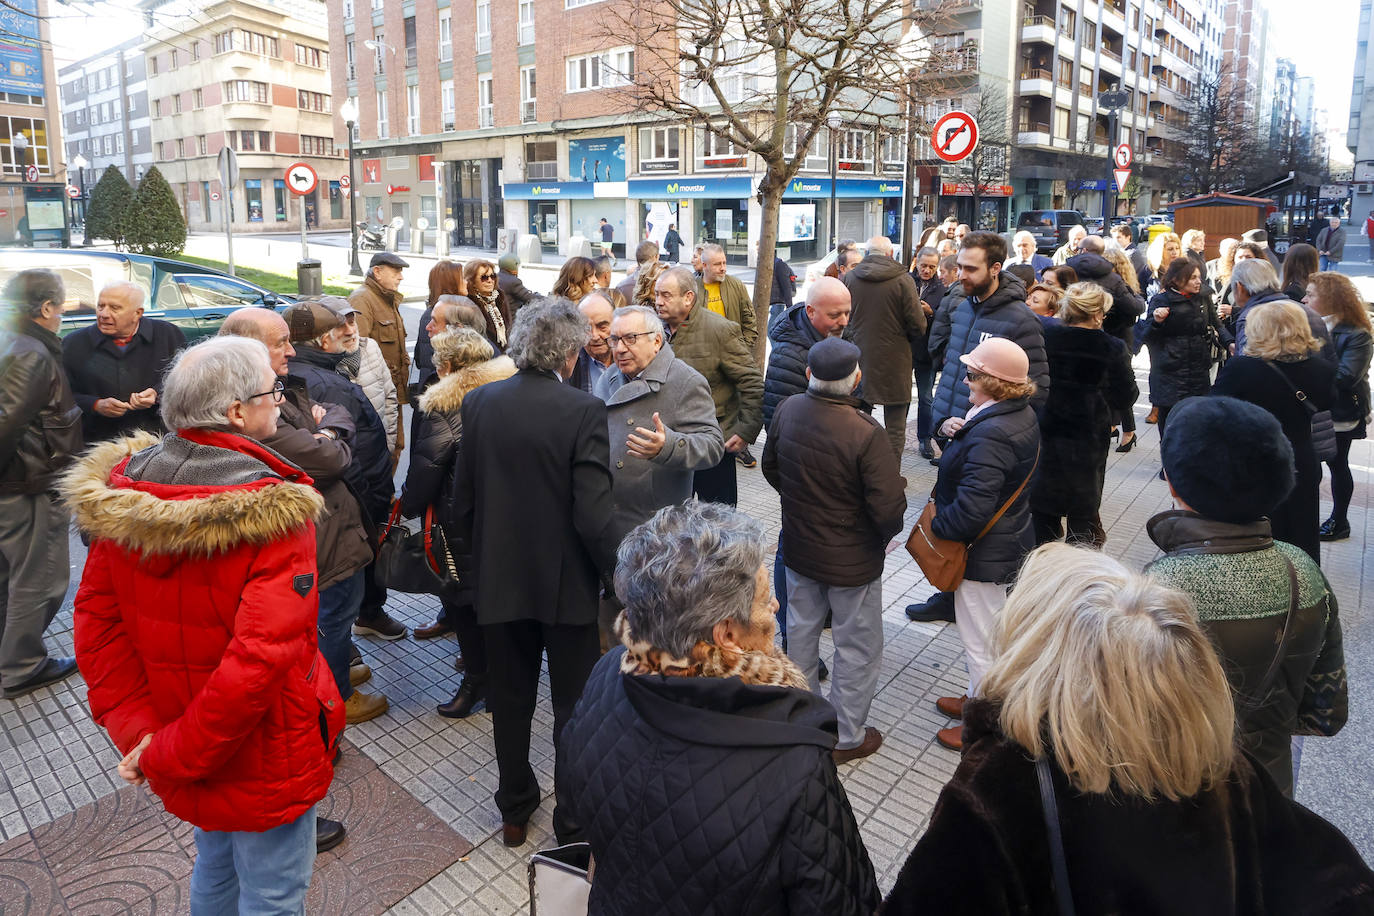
[(196, 622)]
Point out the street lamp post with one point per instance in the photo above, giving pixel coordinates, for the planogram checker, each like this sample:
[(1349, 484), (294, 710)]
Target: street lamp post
[(833, 122), (349, 111), (80, 162)]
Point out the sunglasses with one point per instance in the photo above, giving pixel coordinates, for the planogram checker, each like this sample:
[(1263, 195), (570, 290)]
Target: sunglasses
[(486, 276), (972, 376)]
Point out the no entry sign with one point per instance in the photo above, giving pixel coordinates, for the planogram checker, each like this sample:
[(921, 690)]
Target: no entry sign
[(955, 136)]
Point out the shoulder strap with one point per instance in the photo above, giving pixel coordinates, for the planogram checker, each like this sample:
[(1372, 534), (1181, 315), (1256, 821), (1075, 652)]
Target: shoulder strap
[(1007, 505), (1282, 652), (1297, 392), (1063, 898)]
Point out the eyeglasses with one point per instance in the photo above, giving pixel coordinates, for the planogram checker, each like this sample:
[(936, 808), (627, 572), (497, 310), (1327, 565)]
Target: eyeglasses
[(486, 276), (278, 392), (627, 339)]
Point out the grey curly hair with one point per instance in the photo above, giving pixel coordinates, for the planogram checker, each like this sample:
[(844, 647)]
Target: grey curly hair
[(545, 334), (685, 570)]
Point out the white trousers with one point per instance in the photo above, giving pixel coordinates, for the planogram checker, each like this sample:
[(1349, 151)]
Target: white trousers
[(976, 606)]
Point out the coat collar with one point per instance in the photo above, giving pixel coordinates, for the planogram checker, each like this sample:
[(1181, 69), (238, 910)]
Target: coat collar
[(30, 328), (654, 377), (996, 410), (391, 297), (446, 395), (1182, 532)]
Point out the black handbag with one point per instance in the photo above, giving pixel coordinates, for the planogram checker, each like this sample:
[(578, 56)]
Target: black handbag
[(414, 556), (1323, 428)]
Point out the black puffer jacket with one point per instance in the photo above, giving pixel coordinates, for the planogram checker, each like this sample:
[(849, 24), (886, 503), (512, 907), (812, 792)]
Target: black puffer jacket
[(1180, 349), (40, 424), (1353, 351), (1126, 305), (707, 797), (369, 474), (1002, 314), (981, 467), (792, 337), (835, 532), (931, 292)]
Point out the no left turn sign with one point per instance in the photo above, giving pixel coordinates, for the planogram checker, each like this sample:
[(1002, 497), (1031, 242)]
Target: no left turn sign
[(301, 178), (955, 136), (345, 181), (1123, 156)]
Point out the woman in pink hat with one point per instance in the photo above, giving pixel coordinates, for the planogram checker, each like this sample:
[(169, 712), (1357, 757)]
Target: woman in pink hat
[(985, 469)]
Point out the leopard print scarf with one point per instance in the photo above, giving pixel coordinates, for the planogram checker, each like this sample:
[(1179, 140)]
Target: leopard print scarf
[(488, 305), (770, 667)]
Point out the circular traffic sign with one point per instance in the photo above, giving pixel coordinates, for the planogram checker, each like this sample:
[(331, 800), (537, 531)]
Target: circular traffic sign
[(422, 224), (31, 173), (214, 195), (955, 135), (73, 191), (1122, 156), (301, 178), (345, 181)]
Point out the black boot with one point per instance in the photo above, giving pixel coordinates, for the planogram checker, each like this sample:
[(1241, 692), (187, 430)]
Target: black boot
[(328, 834), (938, 607), (471, 692)]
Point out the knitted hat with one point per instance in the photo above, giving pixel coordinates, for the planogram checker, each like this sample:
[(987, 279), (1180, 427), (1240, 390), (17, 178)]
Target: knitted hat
[(832, 359), (1227, 459), (999, 358)]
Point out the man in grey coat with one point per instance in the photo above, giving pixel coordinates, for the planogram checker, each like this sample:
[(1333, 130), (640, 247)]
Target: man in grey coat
[(1331, 244), (661, 417)]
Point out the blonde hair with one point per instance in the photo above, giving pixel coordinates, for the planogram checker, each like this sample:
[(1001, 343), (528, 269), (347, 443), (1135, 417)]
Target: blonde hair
[(459, 347), (1277, 329), (1108, 671), (644, 283), (1084, 303), (1189, 237), (1155, 253), (1122, 265)]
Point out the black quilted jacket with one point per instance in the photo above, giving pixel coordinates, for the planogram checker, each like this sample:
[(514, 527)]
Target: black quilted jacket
[(706, 796)]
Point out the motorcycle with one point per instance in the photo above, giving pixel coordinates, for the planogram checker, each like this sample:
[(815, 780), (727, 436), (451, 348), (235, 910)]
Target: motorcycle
[(370, 238)]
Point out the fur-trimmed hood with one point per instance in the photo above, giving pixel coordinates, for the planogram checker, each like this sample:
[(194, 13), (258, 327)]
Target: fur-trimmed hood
[(446, 395), (180, 519)]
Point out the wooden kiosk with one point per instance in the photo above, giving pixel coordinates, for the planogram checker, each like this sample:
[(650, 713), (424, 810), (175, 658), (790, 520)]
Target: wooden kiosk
[(1219, 215)]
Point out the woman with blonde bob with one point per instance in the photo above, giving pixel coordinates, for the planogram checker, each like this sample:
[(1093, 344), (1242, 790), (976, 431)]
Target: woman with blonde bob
[(1105, 675), (1281, 372)]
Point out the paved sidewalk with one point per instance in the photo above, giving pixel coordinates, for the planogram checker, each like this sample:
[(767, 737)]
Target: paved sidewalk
[(53, 760)]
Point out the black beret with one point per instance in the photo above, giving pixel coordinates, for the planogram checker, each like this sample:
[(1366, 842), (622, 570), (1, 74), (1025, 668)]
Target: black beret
[(388, 258), (1227, 459), (832, 359)]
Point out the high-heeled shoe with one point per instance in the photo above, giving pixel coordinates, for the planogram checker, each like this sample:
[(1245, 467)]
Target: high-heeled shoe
[(1129, 444)]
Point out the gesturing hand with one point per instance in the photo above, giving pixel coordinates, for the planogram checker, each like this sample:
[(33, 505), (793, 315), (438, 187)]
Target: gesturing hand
[(1161, 314), (128, 768), (141, 400), (111, 407), (647, 443)]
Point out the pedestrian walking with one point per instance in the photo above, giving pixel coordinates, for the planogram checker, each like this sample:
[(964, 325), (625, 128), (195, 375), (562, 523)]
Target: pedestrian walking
[(607, 238), (672, 244), (1330, 244), (1342, 309), (1369, 233)]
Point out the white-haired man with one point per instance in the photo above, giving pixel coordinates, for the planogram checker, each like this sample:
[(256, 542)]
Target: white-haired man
[(115, 366), (1023, 243)]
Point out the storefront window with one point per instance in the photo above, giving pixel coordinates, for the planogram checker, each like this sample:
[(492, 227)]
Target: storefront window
[(279, 192), (725, 222), (252, 190)]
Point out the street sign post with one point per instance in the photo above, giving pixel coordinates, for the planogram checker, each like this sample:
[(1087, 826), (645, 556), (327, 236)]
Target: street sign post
[(31, 173), (228, 177), (301, 180), (1114, 100), (73, 191), (955, 136)]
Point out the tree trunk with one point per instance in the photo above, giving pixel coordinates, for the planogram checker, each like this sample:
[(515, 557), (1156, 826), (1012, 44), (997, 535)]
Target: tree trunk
[(770, 191)]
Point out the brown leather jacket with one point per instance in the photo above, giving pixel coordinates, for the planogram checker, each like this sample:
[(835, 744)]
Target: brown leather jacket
[(379, 317)]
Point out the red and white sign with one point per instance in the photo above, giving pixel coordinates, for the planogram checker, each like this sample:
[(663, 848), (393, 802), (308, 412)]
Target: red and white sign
[(73, 191), (4, 213), (344, 182), (396, 188), (301, 179), (426, 168), (214, 195), (1121, 176), (1123, 156), (955, 136), (965, 189), (31, 173)]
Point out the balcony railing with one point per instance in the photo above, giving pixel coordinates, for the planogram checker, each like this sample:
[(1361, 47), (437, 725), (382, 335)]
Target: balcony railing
[(1108, 52), (528, 112), (1033, 127), (1037, 74), (1047, 21)]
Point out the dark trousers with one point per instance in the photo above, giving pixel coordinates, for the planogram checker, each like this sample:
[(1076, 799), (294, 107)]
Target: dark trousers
[(780, 591), (1161, 418), (472, 642), (925, 389), (374, 595), (514, 651), (1084, 530), (717, 484), (1342, 481)]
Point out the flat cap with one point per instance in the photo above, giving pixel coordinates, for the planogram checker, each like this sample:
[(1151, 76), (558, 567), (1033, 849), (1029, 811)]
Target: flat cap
[(832, 359), (388, 258)]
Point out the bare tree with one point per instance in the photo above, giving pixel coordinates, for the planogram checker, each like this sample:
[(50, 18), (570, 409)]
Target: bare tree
[(988, 161), (1219, 147), (764, 76)]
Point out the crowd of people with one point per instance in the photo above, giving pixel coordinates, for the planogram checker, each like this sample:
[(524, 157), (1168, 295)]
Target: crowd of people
[(579, 453)]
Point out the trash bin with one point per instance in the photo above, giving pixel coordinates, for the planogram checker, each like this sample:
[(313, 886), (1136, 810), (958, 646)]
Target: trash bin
[(308, 277)]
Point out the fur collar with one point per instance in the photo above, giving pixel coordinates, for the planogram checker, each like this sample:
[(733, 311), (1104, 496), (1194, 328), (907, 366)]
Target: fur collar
[(190, 523), (446, 395), (771, 668)]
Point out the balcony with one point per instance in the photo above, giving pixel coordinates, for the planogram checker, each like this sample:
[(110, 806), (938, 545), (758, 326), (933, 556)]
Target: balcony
[(1037, 82), (246, 111), (1038, 28), (1033, 134)]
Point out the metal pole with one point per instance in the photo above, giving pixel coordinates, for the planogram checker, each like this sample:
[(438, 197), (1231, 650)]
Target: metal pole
[(1114, 133), (909, 241), (834, 169), (85, 237), (228, 231), (354, 268), (305, 247)]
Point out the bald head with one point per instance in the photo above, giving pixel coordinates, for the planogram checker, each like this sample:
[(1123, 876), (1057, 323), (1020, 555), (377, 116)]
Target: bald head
[(266, 326), (1093, 244), (598, 311), (880, 244), (827, 306)]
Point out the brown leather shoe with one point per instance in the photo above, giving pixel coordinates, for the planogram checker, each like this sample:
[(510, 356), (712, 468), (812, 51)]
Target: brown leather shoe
[(873, 739), (432, 631), (952, 737), (513, 834), (951, 706), (1154, 415)]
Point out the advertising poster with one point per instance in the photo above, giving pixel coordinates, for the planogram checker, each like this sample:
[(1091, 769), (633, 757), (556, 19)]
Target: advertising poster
[(659, 216), (596, 159), (797, 223), (725, 223), (21, 63)]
